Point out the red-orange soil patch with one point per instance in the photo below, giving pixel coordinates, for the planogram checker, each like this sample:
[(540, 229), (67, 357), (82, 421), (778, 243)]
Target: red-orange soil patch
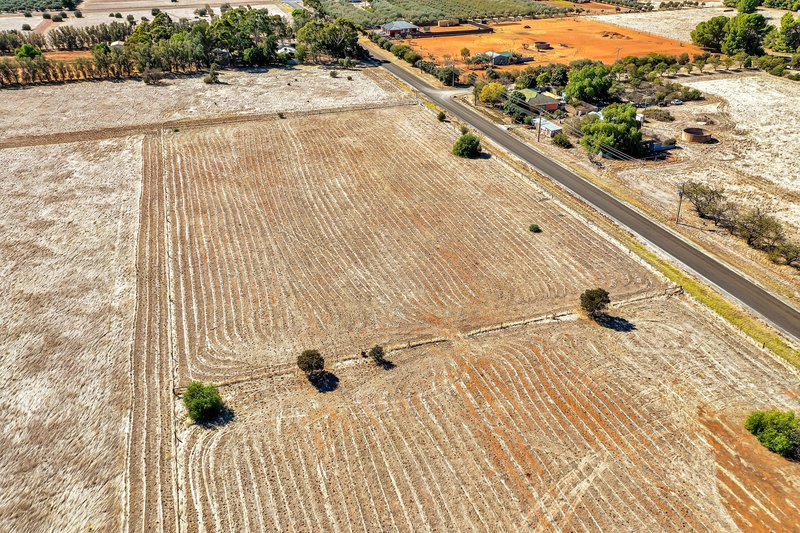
[(759, 488), (571, 38)]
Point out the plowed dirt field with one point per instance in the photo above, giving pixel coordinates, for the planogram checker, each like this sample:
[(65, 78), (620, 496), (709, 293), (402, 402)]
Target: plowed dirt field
[(143, 251)]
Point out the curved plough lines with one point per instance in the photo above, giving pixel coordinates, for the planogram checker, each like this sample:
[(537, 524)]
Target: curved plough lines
[(540, 428), (341, 230)]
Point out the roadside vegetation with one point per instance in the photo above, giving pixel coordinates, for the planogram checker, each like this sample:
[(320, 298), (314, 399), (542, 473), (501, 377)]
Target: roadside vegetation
[(759, 230), (778, 431)]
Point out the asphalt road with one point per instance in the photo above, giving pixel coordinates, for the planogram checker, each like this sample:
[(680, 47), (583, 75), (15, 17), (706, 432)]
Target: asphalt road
[(772, 309)]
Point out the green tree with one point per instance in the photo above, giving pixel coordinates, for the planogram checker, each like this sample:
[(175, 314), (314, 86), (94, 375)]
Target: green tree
[(377, 354), (468, 145), (336, 39), (27, 51), (203, 401), (618, 129), (788, 39), (594, 301), (301, 17), (747, 6), (493, 93), (311, 362), (745, 33), (591, 83), (760, 230), (711, 33), (464, 53), (778, 431)]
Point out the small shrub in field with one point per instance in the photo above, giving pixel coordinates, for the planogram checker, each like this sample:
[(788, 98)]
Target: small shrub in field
[(28, 14), (656, 113), (118, 15), (778, 431), (57, 18), (468, 145), (594, 301), (26, 27), (152, 76), (349, 78), (311, 362), (561, 140), (202, 401), (63, 14), (441, 116), (155, 11), (377, 353), (47, 16), (78, 14), (534, 228), (464, 130), (334, 74), (212, 76)]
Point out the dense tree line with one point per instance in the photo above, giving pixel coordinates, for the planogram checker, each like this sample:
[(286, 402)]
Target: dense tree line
[(447, 74), (425, 12), (36, 5), (72, 38), (10, 40), (240, 36), (748, 32)]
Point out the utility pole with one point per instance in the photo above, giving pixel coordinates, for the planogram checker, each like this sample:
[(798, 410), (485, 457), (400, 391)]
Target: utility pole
[(680, 201), (539, 132)]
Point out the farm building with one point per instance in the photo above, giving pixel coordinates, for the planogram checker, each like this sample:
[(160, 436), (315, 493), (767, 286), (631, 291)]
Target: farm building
[(498, 58), (399, 27), (288, 50), (550, 129), (545, 101)]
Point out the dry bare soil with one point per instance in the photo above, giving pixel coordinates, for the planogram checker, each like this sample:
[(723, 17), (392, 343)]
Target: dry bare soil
[(571, 38), (218, 249)]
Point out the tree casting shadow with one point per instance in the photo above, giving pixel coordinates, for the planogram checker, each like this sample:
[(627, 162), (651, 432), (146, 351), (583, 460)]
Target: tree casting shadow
[(616, 323), (225, 417), (324, 381), (385, 364)]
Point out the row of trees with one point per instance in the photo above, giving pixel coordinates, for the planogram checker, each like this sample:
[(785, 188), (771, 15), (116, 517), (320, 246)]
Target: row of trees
[(448, 74), (66, 37), (759, 230)]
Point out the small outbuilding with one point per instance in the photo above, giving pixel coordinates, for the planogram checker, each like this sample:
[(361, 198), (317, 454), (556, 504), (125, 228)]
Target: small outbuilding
[(399, 27), (550, 129), (117, 44), (287, 50), (497, 58)]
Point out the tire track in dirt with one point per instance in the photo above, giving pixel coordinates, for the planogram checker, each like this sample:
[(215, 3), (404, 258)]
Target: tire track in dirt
[(151, 482)]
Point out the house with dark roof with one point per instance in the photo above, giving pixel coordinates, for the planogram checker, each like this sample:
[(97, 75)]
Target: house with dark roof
[(546, 101), (399, 27)]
